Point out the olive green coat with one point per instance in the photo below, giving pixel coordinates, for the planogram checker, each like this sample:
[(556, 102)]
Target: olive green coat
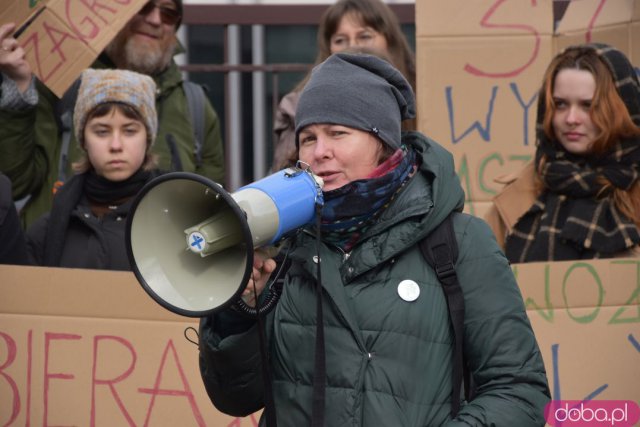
[(389, 360)]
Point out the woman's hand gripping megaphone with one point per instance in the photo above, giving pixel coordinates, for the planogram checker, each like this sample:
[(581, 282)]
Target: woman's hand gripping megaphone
[(263, 266)]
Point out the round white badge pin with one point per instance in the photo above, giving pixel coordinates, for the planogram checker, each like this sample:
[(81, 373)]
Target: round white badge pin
[(408, 290)]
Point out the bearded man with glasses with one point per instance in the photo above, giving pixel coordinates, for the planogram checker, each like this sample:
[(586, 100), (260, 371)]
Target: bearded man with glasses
[(37, 158), (148, 42)]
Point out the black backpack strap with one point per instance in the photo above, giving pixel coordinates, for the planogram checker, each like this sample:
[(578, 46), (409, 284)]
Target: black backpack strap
[(196, 97), (440, 249), (176, 161), (64, 113)]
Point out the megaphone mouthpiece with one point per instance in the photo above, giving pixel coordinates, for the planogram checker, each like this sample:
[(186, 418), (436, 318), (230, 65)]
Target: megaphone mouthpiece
[(214, 234)]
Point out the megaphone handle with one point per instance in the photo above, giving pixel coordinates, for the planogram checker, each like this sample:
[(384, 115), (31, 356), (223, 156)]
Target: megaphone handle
[(263, 307), (273, 291)]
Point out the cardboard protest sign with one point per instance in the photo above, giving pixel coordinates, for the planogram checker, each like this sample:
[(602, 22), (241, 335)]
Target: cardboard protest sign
[(586, 317), (81, 347), (480, 64), (68, 35), (597, 13), (634, 36), (19, 11)]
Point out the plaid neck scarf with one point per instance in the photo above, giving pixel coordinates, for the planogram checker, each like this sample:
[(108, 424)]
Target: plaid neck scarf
[(575, 217), (348, 211)]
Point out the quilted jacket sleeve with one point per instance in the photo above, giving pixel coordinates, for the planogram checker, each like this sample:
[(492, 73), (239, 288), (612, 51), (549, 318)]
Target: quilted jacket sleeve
[(22, 158), (13, 246), (500, 344), (230, 367)]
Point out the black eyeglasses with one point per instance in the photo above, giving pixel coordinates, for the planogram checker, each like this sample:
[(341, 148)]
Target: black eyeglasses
[(168, 15)]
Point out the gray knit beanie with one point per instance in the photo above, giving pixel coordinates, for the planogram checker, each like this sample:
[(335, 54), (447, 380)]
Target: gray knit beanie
[(361, 91), (123, 86)]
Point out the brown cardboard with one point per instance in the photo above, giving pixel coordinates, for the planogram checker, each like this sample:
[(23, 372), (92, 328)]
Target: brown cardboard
[(634, 37), (517, 17), (480, 65), (586, 317), (19, 11), (83, 347), (77, 348), (87, 288), (586, 314), (484, 18), (587, 14), (68, 35), (614, 35), (477, 97)]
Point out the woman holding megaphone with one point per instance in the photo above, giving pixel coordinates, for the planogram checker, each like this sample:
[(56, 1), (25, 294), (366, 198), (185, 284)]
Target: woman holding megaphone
[(361, 334)]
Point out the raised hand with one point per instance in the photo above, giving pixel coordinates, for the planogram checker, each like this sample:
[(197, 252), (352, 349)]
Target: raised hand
[(262, 269), (13, 62)]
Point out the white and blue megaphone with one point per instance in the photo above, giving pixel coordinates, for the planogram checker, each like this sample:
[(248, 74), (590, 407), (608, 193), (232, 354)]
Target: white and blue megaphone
[(191, 243)]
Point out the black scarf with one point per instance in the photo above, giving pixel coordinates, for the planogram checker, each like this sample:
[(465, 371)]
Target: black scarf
[(97, 189), (575, 217)]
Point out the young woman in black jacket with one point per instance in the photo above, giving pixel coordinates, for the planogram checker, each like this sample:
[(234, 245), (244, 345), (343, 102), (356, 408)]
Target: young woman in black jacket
[(115, 122)]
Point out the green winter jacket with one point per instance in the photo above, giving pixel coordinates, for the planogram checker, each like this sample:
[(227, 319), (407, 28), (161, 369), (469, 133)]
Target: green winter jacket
[(30, 141), (388, 361)]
